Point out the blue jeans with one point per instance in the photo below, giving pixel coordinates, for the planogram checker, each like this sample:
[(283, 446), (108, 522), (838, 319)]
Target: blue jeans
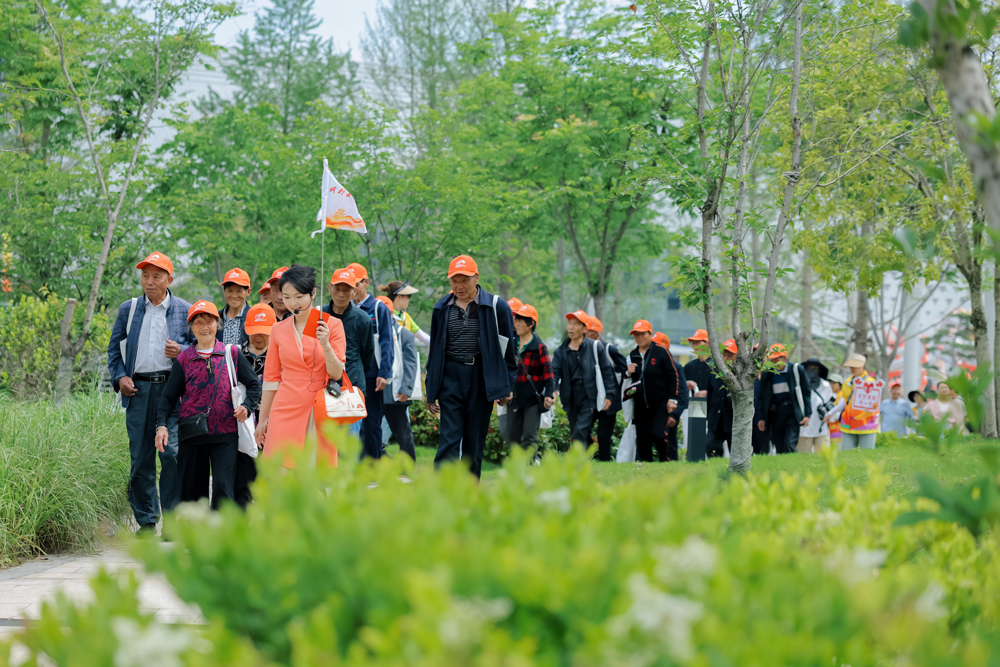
[(140, 422), (853, 440)]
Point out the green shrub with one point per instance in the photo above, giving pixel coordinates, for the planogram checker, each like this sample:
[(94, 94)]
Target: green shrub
[(29, 347), (547, 566), (63, 474)]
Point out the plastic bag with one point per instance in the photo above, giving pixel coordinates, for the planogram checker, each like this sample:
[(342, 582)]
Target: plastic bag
[(626, 448)]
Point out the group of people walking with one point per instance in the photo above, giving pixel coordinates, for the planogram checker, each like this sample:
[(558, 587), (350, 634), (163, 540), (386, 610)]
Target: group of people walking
[(189, 375)]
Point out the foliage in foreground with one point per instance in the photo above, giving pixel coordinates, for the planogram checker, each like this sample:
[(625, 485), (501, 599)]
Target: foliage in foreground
[(547, 566), (63, 474)]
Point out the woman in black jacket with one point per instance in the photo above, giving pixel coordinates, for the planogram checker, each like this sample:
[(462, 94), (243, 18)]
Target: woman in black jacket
[(582, 376), (656, 398)]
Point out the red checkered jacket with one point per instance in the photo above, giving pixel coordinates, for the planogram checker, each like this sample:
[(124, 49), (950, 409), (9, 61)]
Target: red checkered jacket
[(533, 361)]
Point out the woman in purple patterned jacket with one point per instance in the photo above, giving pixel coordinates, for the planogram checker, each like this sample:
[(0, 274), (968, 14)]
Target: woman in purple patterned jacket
[(199, 379)]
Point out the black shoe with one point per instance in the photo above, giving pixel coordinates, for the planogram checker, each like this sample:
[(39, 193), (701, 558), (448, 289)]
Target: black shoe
[(146, 531)]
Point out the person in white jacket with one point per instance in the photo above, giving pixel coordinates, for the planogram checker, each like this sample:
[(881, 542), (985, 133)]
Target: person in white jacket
[(816, 434)]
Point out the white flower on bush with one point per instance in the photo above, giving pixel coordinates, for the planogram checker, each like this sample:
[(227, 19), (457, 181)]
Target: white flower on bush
[(828, 519), (930, 604), (689, 563), (198, 512), (463, 624), (559, 499), (852, 568), (155, 645), (667, 618)]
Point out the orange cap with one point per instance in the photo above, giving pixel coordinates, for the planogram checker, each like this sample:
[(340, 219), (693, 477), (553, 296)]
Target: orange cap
[(662, 340), (200, 307), (463, 265), (384, 299), (579, 315), (641, 326), (260, 319), (237, 277), (344, 277), (528, 311), (159, 260), (730, 346), (595, 325), (360, 272), (777, 350), (265, 288), (277, 274), (701, 335), (515, 304)]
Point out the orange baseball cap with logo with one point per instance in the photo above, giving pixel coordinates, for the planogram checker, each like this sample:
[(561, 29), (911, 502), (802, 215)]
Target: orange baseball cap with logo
[(344, 277), (528, 312), (777, 351), (265, 288), (700, 336), (200, 307), (595, 325), (515, 304), (641, 326), (159, 260), (730, 346), (463, 265), (237, 276), (276, 275), (662, 340), (360, 272), (579, 315), (384, 299), (260, 319)]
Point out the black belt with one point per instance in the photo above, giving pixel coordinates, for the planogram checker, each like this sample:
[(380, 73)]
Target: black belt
[(152, 378), (467, 359)]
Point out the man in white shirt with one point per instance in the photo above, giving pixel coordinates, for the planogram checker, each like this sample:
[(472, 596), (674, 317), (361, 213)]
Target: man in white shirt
[(148, 333)]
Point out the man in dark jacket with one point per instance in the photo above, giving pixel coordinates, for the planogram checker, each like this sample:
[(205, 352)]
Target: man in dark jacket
[(785, 402), (607, 419), (471, 364), (720, 407), (682, 399), (357, 330), (656, 398), (584, 379), (380, 373), (148, 334)]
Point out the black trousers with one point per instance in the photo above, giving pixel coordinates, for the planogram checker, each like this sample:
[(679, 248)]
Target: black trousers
[(580, 412), (522, 425), (246, 474), (193, 462), (399, 424), (465, 416), (371, 426), (651, 432), (714, 447), (672, 454), (784, 428), (761, 440), (605, 432)]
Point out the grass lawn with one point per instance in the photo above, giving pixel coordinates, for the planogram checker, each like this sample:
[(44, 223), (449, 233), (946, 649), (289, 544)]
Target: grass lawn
[(903, 462)]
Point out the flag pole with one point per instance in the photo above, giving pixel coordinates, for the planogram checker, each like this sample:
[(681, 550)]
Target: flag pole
[(322, 263)]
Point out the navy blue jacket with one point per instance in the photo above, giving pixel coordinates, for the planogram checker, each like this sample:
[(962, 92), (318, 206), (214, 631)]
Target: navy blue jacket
[(176, 326), (499, 370), (382, 327), (682, 390)]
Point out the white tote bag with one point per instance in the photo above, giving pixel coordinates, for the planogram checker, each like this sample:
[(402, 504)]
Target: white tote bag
[(626, 448), (246, 428), (503, 339), (601, 392), (349, 406)]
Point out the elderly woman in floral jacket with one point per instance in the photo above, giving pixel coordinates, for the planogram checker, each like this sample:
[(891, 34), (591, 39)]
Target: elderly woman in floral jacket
[(199, 379)]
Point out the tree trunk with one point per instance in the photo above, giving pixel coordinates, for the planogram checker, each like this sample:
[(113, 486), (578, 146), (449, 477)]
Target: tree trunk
[(981, 338), (996, 342), (742, 430), (599, 301), (503, 268), (561, 260), (862, 322), (67, 356)]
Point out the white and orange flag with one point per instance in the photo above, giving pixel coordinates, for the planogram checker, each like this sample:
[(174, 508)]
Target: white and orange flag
[(338, 209)]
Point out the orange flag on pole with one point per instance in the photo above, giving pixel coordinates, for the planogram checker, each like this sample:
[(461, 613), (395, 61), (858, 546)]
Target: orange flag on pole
[(338, 210)]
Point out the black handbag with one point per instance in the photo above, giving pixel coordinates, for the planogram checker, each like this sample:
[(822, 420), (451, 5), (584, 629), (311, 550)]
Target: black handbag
[(197, 424)]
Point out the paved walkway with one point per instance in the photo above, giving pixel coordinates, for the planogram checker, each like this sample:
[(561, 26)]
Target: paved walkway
[(24, 588)]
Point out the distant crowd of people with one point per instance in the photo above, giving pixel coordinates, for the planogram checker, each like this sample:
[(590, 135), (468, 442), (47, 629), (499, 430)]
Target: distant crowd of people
[(190, 376)]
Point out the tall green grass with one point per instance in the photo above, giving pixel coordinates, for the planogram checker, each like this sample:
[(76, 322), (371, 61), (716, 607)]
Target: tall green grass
[(63, 475)]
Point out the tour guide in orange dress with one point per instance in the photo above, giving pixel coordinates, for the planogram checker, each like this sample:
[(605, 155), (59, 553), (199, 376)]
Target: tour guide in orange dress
[(306, 350)]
